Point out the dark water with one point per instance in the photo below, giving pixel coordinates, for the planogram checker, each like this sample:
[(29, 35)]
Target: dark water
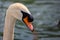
[(46, 17)]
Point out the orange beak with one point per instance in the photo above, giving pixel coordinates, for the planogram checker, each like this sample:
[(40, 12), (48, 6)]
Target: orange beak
[(28, 24)]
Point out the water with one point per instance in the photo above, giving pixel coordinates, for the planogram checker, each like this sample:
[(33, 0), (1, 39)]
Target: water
[(46, 16)]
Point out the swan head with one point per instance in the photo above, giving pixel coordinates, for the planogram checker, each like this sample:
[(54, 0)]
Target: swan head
[(21, 12)]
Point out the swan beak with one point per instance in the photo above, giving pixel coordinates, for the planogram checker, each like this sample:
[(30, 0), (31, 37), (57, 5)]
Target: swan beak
[(28, 24)]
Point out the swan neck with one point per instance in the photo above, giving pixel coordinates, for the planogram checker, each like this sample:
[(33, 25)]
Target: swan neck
[(9, 28)]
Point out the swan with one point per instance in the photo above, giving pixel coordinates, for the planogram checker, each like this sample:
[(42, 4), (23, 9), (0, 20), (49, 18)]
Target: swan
[(16, 11)]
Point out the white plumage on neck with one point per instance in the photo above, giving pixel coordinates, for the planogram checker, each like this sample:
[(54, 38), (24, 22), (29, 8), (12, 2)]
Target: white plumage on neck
[(13, 13)]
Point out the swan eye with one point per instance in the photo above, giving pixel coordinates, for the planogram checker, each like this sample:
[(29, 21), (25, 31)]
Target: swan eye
[(30, 17), (24, 14)]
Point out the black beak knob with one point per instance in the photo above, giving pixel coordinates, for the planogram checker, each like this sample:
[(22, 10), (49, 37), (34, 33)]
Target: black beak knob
[(30, 18)]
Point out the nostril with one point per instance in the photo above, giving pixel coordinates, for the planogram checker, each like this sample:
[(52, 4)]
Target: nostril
[(30, 18)]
